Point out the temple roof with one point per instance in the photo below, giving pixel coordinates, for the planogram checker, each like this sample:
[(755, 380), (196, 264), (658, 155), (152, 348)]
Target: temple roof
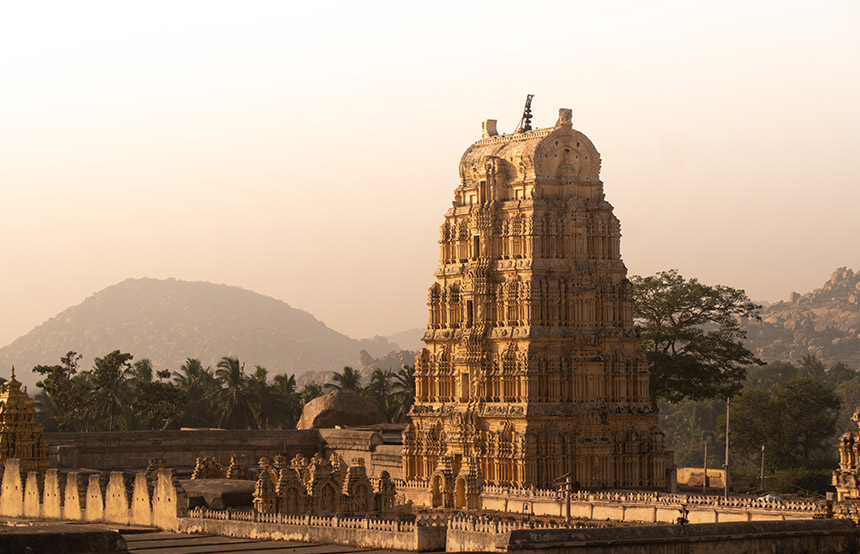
[(552, 153), (12, 397)]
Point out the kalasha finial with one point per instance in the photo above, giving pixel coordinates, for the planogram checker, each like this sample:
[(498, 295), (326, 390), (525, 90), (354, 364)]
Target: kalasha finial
[(526, 121), (13, 372)]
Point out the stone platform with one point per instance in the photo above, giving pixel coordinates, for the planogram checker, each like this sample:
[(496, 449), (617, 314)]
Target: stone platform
[(17, 537)]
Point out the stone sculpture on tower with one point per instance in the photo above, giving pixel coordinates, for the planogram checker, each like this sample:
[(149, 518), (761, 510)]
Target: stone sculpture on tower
[(533, 369)]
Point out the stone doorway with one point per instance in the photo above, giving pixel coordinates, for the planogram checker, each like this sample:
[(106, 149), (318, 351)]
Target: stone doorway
[(460, 493), (436, 486)]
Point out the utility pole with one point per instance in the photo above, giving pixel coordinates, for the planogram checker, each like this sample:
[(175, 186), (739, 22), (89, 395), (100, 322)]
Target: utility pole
[(568, 487), (705, 480), (566, 482), (762, 469), (726, 466)]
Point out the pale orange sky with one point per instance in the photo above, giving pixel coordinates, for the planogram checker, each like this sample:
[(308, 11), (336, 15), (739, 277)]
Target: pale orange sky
[(307, 151)]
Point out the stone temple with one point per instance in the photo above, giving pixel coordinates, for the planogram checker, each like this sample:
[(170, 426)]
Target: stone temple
[(533, 369)]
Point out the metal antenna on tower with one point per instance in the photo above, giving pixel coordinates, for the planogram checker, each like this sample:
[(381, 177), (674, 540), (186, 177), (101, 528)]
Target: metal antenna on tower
[(526, 121)]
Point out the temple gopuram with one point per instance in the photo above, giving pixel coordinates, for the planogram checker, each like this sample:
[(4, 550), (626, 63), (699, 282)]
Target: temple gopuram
[(20, 436), (533, 370)]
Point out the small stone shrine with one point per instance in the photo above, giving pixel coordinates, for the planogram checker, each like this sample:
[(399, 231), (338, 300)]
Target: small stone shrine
[(846, 479), (20, 436), (321, 486), (533, 369)]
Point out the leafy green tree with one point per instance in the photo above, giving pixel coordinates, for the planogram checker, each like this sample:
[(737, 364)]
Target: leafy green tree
[(840, 373), (347, 380), (233, 398), (107, 378), (769, 375), (810, 366), (62, 399), (692, 336), (688, 425), (796, 423), (849, 396), (161, 403)]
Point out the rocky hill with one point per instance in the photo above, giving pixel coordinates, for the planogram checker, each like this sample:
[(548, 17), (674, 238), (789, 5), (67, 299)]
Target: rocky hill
[(168, 321), (824, 322)]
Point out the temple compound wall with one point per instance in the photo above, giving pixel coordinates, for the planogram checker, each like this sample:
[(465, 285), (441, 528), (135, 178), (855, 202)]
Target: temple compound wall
[(533, 369), (180, 449)]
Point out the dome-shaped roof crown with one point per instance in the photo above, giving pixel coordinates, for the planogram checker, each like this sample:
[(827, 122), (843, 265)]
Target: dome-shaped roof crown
[(558, 154)]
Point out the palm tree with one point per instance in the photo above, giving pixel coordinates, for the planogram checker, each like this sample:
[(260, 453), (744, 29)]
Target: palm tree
[(199, 384), (284, 390), (348, 380), (310, 391), (264, 403), (380, 389), (233, 398), (404, 392), (108, 378)]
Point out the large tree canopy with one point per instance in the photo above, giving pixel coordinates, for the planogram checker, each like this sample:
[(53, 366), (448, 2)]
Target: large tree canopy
[(795, 421), (692, 336)]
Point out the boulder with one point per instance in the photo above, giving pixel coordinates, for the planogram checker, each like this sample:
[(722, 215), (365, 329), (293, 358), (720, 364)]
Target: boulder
[(342, 408)]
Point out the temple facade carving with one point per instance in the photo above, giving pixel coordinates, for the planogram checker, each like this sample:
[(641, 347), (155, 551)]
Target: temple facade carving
[(533, 369), (20, 436), (321, 486)]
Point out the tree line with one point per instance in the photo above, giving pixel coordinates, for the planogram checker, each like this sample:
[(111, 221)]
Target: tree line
[(119, 394), (693, 338)]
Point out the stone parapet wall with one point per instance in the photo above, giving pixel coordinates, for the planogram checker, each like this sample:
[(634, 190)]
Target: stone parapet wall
[(363, 532), (646, 507), (785, 537), (99, 498), (643, 507), (634, 507)]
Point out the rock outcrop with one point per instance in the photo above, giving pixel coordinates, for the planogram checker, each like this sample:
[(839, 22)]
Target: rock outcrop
[(340, 408), (824, 322)]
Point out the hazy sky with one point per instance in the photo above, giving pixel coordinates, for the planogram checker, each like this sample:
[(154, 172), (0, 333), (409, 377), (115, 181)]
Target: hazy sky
[(307, 150)]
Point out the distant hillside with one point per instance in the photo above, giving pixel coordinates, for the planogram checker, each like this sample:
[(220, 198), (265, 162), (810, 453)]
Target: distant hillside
[(824, 322), (409, 340), (170, 320)]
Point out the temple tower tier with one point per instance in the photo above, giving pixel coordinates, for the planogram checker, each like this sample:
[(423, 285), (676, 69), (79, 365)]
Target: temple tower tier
[(533, 369)]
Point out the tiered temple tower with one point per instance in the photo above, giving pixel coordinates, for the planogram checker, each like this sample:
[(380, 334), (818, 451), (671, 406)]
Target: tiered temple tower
[(20, 436), (533, 369)]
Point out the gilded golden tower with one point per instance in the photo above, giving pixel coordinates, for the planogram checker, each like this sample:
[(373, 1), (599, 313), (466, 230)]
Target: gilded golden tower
[(533, 368), (20, 436)]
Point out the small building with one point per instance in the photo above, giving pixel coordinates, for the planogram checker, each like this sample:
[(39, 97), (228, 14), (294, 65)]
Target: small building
[(20, 436)]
